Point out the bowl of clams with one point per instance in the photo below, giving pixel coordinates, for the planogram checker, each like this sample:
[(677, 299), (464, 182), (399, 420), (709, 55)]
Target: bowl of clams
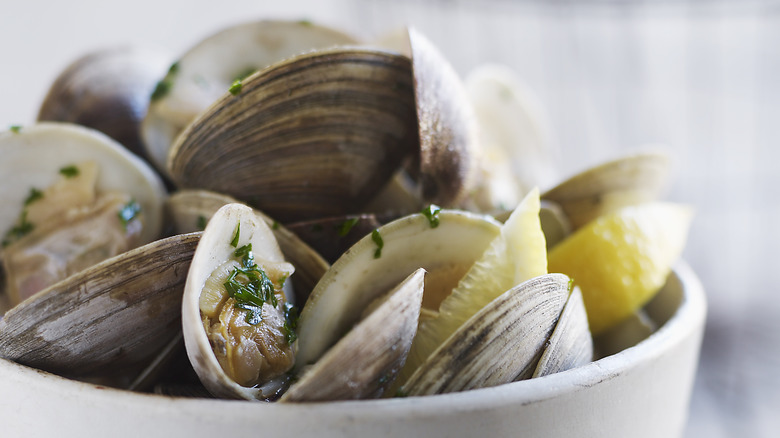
[(286, 230)]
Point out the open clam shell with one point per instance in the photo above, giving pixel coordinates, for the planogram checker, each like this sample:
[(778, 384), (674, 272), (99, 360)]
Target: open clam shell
[(447, 125), (191, 210), (630, 180), (207, 70), (499, 344), (317, 135), (33, 157), (116, 314), (368, 270), (364, 362), (232, 227)]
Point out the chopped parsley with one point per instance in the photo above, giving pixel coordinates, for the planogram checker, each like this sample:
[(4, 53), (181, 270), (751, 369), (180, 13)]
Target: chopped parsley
[(306, 23), (34, 195), (234, 242), (15, 128), (346, 226), (250, 286), (129, 212), (235, 88), (291, 316), (70, 171), (432, 213), (275, 225), (377, 238), (164, 86), (202, 221), (22, 228), (401, 393)]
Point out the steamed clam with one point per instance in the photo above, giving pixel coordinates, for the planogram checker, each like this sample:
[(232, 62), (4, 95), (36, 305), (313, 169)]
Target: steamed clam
[(75, 197)]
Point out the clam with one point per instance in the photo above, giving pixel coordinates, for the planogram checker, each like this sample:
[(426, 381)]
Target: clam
[(499, 344), (74, 197), (107, 90), (629, 180), (207, 70), (241, 354), (109, 317), (316, 135), (191, 210), (447, 126)]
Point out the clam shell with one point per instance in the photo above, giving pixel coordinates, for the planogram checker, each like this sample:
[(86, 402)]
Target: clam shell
[(116, 314), (317, 135), (33, 157), (447, 125), (358, 277), (214, 249), (207, 70), (191, 210), (630, 180), (501, 342), (107, 90), (364, 362), (570, 344)]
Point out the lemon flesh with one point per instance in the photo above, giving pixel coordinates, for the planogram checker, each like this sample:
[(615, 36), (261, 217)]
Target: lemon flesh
[(516, 255), (620, 260)]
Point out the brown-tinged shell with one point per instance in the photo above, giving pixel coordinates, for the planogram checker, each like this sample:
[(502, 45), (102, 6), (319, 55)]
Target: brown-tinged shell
[(116, 314), (626, 181), (107, 90), (317, 135)]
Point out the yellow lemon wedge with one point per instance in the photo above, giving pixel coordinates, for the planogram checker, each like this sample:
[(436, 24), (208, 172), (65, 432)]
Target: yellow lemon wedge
[(620, 260), (516, 255)]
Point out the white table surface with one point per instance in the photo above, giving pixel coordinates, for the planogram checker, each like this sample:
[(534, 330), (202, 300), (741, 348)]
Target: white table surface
[(700, 77)]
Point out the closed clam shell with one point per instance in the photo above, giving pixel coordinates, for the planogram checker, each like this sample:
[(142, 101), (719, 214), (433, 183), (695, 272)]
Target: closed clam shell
[(115, 314), (629, 180), (204, 72), (107, 90), (317, 135), (499, 344)]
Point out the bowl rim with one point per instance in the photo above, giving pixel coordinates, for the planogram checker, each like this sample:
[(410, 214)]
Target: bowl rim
[(688, 318)]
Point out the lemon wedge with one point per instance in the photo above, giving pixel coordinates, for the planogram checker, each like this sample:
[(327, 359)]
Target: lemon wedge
[(620, 260)]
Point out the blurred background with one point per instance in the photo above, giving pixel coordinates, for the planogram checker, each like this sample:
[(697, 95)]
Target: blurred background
[(698, 77)]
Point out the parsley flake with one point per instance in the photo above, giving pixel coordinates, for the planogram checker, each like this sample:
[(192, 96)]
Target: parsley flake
[(15, 128), (70, 171), (346, 226), (202, 221), (234, 242), (34, 195), (22, 228), (432, 213), (164, 86), (235, 88), (377, 238)]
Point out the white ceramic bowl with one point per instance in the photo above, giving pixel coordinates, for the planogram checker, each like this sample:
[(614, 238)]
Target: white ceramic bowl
[(643, 391)]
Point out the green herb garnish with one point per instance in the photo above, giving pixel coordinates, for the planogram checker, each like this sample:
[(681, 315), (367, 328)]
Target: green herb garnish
[(202, 221), (282, 280), (305, 22), (235, 88), (164, 86), (15, 128), (432, 213), (22, 228), (34, 195), (275, 225), (70, 171), (346, 226), (252, 291), (377, 238), (291, 316), (129, 212), (234, 242), (401, 393)]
